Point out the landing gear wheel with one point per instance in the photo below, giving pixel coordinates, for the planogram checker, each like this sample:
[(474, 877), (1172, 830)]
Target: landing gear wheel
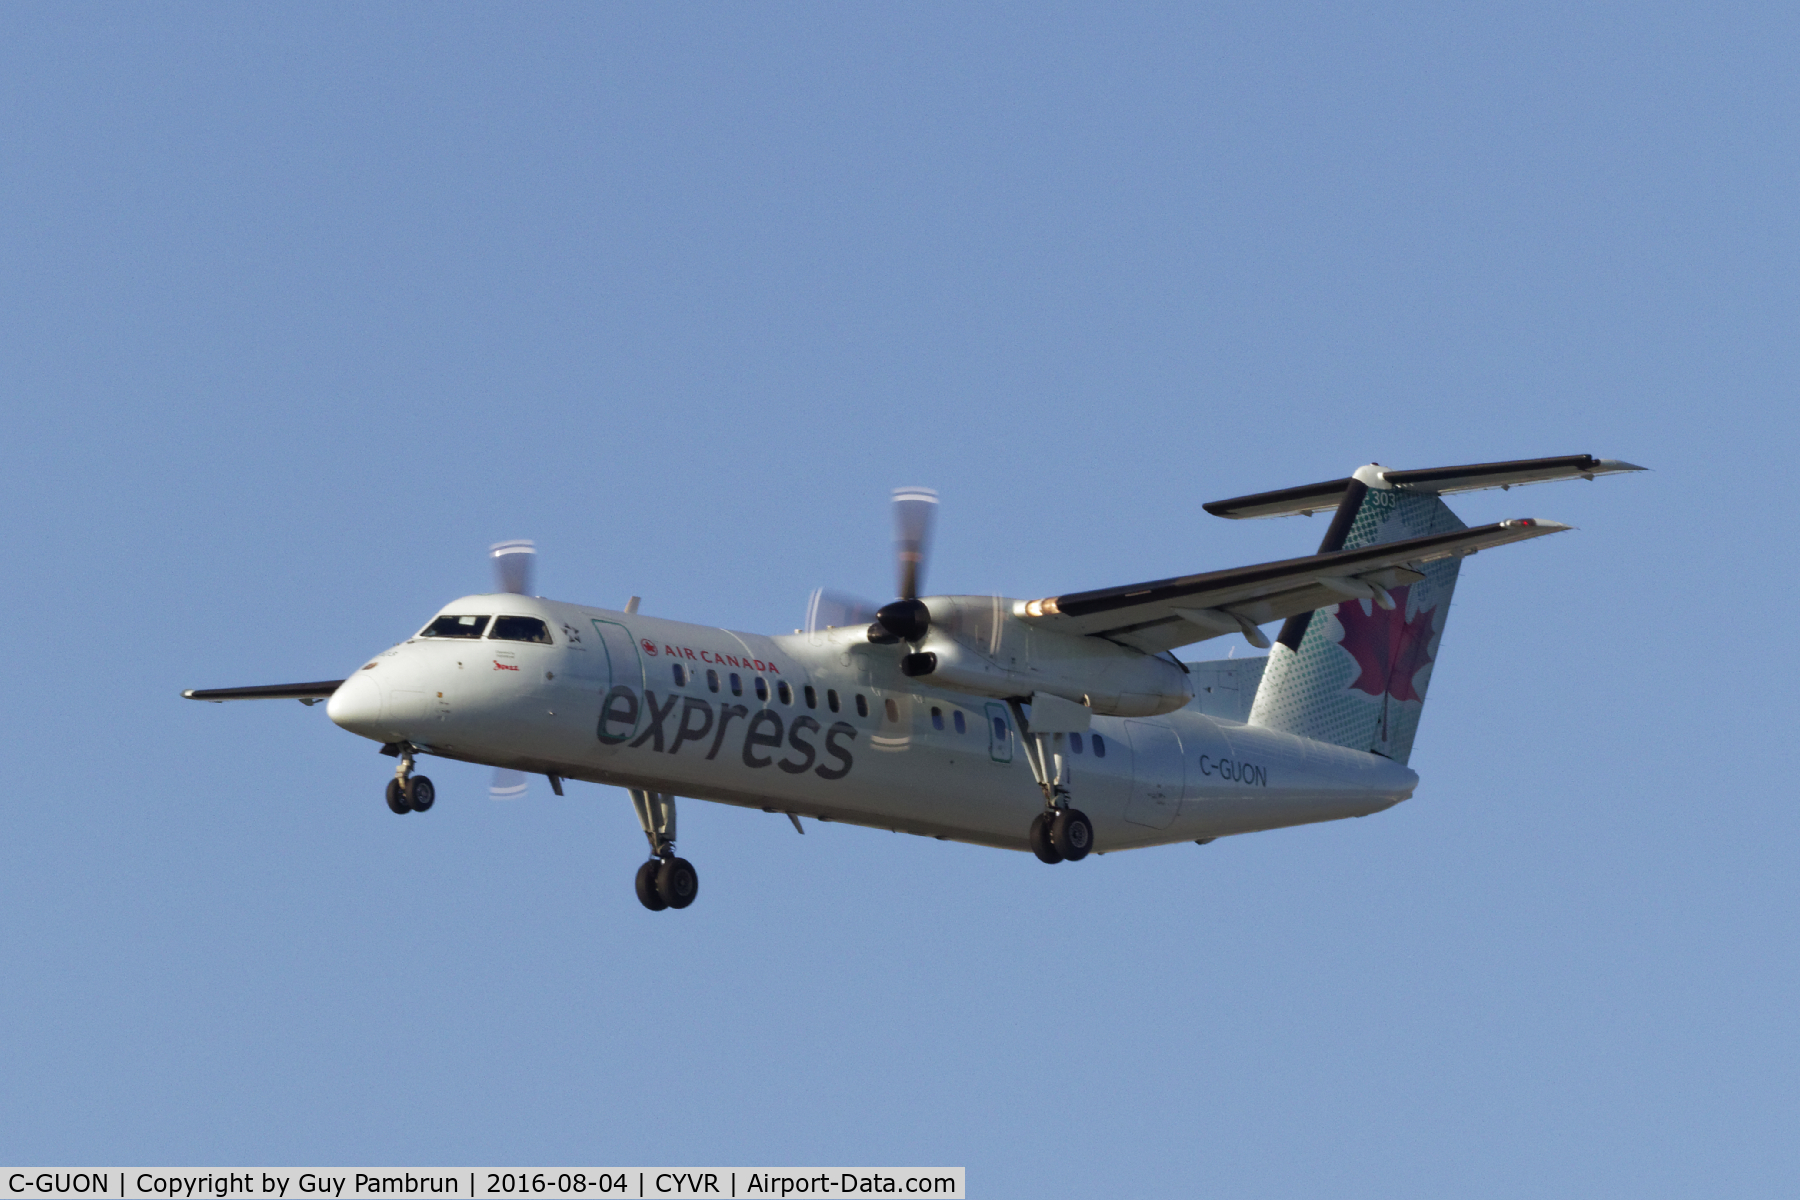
[(1072, 834), (420, 794), (396, 797), (676, 883), (646, 887), (1041, 845)]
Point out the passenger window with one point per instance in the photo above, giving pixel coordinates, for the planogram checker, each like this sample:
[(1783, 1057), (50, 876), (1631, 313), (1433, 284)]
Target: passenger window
[(712, 680), (1075, 742), (762, 689), (862, 705), (737, 685), (937, 719), (521, 629), (456, 627), (961, 727), (783, 691), (893, 712), (831, 700), (812, 697), (1000, 728), (680, 675), (1099, 746)]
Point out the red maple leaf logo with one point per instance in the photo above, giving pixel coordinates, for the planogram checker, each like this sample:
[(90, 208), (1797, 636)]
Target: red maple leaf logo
[(1389, 648)]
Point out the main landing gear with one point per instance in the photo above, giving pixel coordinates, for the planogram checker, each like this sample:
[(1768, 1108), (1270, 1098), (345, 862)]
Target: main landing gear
[(1062, 832), (1059, 834), (407, 792), (664, 881)]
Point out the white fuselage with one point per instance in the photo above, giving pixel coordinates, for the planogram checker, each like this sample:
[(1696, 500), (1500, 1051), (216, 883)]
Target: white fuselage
[(635, 701)]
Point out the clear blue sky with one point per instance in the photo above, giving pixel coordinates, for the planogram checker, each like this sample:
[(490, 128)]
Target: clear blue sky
[(301, 307)]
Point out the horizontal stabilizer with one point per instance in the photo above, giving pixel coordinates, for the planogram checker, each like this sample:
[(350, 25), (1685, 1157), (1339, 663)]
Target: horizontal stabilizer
[(306, 693), (1433, 481)]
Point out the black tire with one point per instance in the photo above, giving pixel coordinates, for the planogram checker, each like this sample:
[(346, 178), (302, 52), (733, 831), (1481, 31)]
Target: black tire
[(677, 883), (1041, 845), (396, 797), (1072, 834), (420, 794), (646, 887)]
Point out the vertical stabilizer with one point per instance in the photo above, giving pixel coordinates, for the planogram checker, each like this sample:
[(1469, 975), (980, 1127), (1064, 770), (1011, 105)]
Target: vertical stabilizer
[(1355, 674)]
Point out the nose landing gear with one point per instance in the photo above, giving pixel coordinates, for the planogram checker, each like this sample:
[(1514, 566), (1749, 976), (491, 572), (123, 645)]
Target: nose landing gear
[(407, 792), (665, 881)]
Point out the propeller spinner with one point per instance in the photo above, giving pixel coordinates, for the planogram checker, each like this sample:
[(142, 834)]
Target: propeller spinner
[(907, 619)]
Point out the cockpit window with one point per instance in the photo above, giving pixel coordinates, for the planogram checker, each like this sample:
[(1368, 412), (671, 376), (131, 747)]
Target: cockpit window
[(521, 629), (456, 627)]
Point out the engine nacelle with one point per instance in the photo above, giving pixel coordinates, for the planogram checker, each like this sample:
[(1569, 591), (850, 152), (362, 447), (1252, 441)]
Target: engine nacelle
[(976, 645)]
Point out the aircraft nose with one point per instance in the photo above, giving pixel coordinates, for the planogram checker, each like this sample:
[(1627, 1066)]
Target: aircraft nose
[(356, 706)]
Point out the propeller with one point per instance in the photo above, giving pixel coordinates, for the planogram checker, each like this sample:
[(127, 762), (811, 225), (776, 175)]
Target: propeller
[(826, 608), (513, 563), (907, 619), (508, 784)]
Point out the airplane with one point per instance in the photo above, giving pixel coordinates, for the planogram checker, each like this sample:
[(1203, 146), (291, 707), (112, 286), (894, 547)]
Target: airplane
[(1063, 726)]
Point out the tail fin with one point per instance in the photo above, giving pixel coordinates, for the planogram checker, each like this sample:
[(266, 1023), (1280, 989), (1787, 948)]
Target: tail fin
[(1355, 674)]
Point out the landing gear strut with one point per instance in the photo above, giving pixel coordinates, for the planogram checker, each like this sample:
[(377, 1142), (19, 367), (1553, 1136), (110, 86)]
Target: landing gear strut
[(665, 881), (1061, 832), (407, 792)]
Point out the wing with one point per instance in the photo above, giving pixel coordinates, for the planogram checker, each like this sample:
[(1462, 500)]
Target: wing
[(1166, 613), (305, 693), (1437, 481)]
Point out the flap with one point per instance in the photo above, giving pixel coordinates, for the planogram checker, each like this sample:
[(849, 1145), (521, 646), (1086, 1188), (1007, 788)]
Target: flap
[(1166, 613)]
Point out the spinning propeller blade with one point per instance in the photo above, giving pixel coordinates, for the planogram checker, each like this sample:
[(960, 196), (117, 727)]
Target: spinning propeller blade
[(513, 568), (513, 562), (826, 608), (907, 619), (915, 510)]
